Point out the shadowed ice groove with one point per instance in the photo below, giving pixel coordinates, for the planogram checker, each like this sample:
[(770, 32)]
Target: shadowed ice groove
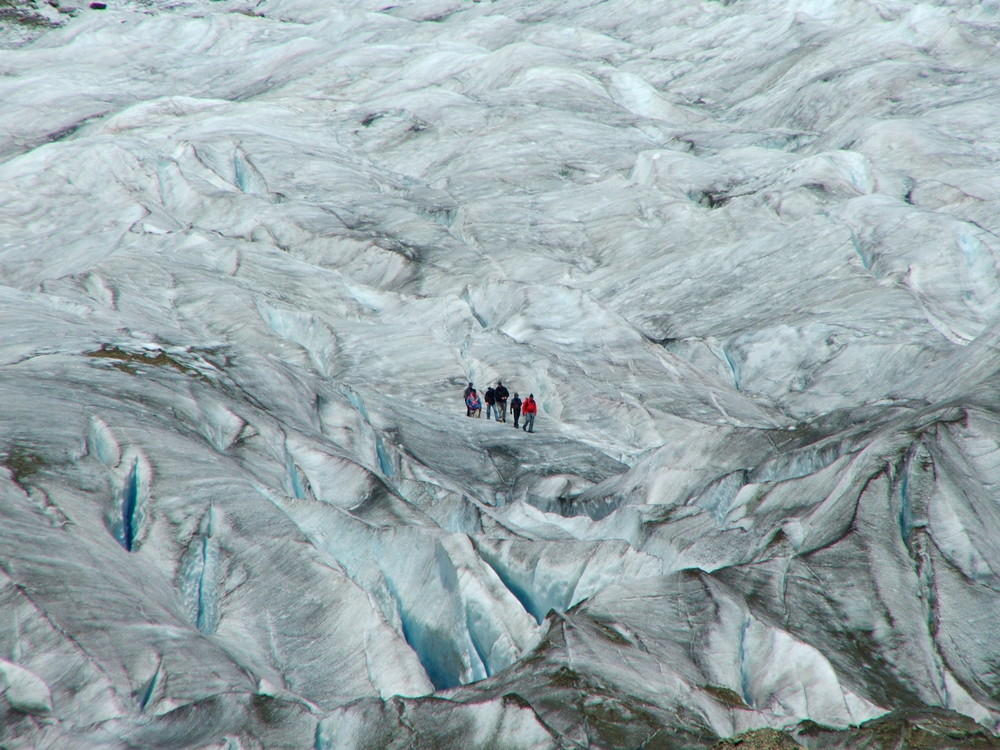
[(557, 580), (385, 461), (220, 425), (198, 576), (743, 659), (912, 484), (131, 498), (441, 660), (248, 177), (307, 331), (460, 622), (798, 463), (152, 689), (298, 482), (517, 588), (355, 400), (719, 496)]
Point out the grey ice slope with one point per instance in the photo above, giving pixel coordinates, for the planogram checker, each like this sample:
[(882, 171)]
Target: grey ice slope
[(745, 254)]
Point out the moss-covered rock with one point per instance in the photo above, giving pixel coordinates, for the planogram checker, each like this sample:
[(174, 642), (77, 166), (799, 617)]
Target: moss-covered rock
[(759, 739), (22, 463), (907, 729)]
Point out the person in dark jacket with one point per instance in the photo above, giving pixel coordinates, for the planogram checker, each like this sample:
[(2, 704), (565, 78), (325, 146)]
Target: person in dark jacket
[(465, 395), (491, 403), (515, 409), (501, 394), (530, 409)]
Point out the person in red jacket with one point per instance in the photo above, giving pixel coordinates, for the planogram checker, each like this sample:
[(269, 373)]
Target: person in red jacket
[(529, 409), (473, 405), (465, 395)]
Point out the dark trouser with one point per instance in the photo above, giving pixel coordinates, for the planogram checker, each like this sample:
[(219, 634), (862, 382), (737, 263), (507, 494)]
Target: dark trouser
[(516, 413), (529, 423), (502, 407)]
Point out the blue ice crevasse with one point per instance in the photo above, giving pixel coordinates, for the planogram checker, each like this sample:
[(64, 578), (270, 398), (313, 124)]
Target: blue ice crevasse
[(198, 576)]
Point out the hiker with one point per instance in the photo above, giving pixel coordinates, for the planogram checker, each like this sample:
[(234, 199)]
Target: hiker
[(530, 409), (465, 396), (501, 394), (515, 409), (473, 406), (491, 403)]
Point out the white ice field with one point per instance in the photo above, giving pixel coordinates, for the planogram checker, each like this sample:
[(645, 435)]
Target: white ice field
[(744, 253)]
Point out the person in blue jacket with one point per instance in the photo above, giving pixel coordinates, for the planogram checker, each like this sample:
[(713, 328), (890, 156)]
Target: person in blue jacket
[(515, 409)]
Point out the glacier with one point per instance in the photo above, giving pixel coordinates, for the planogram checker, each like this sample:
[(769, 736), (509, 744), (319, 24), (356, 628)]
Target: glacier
[(744, 253)]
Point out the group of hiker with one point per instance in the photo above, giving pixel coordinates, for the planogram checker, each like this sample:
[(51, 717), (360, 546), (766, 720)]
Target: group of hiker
[(496, 405)]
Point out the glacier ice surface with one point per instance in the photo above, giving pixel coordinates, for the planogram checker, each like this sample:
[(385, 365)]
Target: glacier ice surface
[(745, 255)]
